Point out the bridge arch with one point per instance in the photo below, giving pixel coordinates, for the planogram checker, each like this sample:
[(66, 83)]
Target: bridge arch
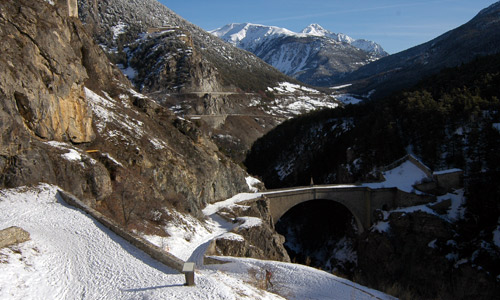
[(359, 224), (354, 199)]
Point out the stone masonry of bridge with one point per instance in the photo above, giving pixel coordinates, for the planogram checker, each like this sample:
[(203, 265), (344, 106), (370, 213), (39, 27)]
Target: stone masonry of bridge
[(361, 201)]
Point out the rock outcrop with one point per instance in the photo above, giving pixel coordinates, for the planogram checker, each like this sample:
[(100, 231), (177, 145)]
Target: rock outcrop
[(41, 76), (12, 236), (254, 236)]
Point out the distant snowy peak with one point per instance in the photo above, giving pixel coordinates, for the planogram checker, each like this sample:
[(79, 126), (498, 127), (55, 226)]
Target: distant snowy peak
[(314, 56), (249, 36), (240, 31), (316, 30), (370, 47)]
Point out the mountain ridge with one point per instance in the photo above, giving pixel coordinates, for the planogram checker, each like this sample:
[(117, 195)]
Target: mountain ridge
[(478, 37), (313, 56)]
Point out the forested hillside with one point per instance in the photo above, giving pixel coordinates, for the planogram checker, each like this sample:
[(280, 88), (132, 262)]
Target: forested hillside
[(449, 120)]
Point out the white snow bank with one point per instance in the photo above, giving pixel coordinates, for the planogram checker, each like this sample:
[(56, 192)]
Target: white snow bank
[(186, 234), (403, 177), (457, 209), (248, 222), (341, 86), (252, 182), (449, 171), (287, 87), (348, 99), (381, 226), (231, 236), (72, 154), (213, 208), (297, 282)]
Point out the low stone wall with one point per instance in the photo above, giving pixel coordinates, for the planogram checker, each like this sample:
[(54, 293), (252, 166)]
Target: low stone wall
[(450, 180), (12, 236), (404, 199), (142, 244)]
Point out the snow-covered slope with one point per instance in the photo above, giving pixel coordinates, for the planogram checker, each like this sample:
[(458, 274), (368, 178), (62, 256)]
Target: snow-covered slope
[(365, 45), (71, 256), (296, 54)]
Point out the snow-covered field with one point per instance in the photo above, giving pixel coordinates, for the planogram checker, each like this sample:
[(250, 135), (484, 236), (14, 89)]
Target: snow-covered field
[(71, 256), (294, 100)]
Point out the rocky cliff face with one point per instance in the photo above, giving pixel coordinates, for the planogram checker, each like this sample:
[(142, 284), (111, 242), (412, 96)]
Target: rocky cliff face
[(47, 95), (69, 117), (254, 237), (117, 23), (167, 61)]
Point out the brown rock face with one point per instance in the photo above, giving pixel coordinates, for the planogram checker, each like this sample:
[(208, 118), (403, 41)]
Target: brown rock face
[(42, 76), (260, 241)]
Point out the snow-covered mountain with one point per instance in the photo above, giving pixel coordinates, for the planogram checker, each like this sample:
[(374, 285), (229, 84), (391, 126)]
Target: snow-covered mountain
[(368, 46), (314, 55)]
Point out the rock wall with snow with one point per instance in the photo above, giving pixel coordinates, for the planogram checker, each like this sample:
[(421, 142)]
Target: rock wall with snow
[(70, 118)]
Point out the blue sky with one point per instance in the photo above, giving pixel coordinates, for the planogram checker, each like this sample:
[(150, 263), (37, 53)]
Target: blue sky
[(395, 24)]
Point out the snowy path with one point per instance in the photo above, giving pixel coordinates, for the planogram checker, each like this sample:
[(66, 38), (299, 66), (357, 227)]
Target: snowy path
[(221, 227)]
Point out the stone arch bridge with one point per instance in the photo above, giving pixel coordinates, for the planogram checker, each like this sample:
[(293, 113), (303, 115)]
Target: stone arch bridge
[(361, 201)]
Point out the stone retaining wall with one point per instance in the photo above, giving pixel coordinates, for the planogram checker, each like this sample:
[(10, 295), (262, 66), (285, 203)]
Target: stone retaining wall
[(142, 244)]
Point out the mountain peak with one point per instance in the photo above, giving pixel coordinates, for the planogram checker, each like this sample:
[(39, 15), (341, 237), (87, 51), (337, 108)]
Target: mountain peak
[(316, 30)]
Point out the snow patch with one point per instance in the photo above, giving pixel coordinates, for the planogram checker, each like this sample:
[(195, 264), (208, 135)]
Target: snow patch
[(252, 182), (72, 155), (348, 99), (215, 207), (118, 29), (449, 171), (232, 237), (72, 256), (248, 222), (381, 226)]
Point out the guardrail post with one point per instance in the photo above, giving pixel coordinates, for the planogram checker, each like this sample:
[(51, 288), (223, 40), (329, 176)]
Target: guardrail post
[(188, 270)]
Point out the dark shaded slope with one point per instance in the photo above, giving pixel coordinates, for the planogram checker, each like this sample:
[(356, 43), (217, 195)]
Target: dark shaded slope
[(478, 37)]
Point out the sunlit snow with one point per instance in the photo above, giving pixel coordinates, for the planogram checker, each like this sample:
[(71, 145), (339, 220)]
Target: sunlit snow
[(70, 256)]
